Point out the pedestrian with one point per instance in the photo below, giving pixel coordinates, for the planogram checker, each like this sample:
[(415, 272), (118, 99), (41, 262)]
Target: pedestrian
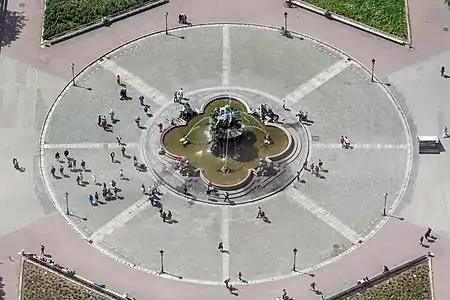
[(81, 177), (442, 71), (78, 180), (298, 175), (428, 233), (180, 94), (115, 190), (150, 191), (141, 100), (104, 124), (143, 189), (83, 165), (320, 164), (313, 286), (285, 296), (240, 276), (119, 140), (70, 165), (42, 250), (113, 183), (66, 153), (175, 97), (99, 121), (164, 216), (111, 115), (342, 141), (312, 168), (346, 142), (74, 163), (161, 212), (445, 132), (123, 151), (317, 169), (421, 240), (185, 189), (160, 127), (152, 200), (112, 154), (91, 200), (135, 161), (305, 165), (169, 215), (96, 197), (259, 212), (57, 156), (227, 197), (53, 170), (121, 175), (118, 79), (94, 179), (227, 281), (146, 109), (15, 163), (61, 170), (220, 247), (138, 120), (284, 104)]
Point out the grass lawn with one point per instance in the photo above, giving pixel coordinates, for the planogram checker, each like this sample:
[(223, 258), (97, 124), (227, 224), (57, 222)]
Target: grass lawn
[(386, 15), (64, 15), (412, 284), (199, 156), (39, 283)]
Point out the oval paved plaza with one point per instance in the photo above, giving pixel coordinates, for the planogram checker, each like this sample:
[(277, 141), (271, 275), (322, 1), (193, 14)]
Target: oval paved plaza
[(323, 217)]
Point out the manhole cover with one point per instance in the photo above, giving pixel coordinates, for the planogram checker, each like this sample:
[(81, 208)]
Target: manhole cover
[(21, 4), (445, 28), (315, 138)]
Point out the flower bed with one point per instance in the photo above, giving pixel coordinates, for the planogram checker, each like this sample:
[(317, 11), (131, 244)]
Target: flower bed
[(63, 15), (386, 15)]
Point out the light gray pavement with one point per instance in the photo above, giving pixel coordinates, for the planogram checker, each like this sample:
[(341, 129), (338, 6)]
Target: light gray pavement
[(352, 190), (427, 20)]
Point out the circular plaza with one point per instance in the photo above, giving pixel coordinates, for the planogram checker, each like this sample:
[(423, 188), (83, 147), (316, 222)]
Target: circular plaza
[(257, 127)]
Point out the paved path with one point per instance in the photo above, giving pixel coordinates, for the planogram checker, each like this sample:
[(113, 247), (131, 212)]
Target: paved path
[(40, 75)]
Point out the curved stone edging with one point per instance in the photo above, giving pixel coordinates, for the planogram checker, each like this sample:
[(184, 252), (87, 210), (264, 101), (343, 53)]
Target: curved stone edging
[(250, 172)]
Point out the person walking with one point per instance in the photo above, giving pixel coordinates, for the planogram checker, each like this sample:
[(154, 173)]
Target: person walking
[(320, 163), (185, 189), (138, 122), (442, 71), (119, 140), (445, 132), (61, 170), (83, 165), (428, 233), (111, 115), (143, 189), (112, 154), (220, 247), (342, 141), (118, 79), (53, 170), (141, 100), (74, 163), (312, 168), (169, 215), (121, 175), (421, 240), (240, 276), (15, 163), (259, 212), (42, 250), (57, 156), (227, 197), (91, 200), (99, 120), (164, 217), (94, 179), (123, 151), (96, 197), (66, 153), (313, 286)]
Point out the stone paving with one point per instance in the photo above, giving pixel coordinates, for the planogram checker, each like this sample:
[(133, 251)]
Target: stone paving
[(322, 217)]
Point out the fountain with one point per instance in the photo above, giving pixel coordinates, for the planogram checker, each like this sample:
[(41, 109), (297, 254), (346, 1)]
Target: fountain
[(226, 141)]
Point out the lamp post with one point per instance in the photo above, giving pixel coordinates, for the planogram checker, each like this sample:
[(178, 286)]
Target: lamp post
[(373, 67), (295, 258), (166, 14), (161, 252), (384, 207), (285, 21), (67, 204), (72, 66)]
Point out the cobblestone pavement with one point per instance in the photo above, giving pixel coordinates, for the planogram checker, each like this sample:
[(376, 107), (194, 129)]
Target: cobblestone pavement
[(38, 75)]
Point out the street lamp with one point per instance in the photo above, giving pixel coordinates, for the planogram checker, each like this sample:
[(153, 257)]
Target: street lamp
[(373, 67), (285, 21), (67, 204), (295, 258), (166, 14), (385, 200), (161, 252), (72, 66)]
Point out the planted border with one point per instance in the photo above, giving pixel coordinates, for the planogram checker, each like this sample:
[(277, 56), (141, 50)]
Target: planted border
[(64, 15), (386, 15)]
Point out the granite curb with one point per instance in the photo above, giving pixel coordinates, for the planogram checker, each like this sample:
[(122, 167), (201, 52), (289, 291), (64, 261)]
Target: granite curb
[(356, 24), (99, 23)]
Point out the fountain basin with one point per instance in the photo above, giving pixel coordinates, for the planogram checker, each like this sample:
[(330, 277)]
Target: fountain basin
[(242, 155)]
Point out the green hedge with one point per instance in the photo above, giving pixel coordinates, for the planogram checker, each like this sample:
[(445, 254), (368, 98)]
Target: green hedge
[(386, 15), (64, 15)]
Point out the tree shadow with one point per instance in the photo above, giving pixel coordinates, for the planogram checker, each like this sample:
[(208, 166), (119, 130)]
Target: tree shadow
[(11, 25)]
